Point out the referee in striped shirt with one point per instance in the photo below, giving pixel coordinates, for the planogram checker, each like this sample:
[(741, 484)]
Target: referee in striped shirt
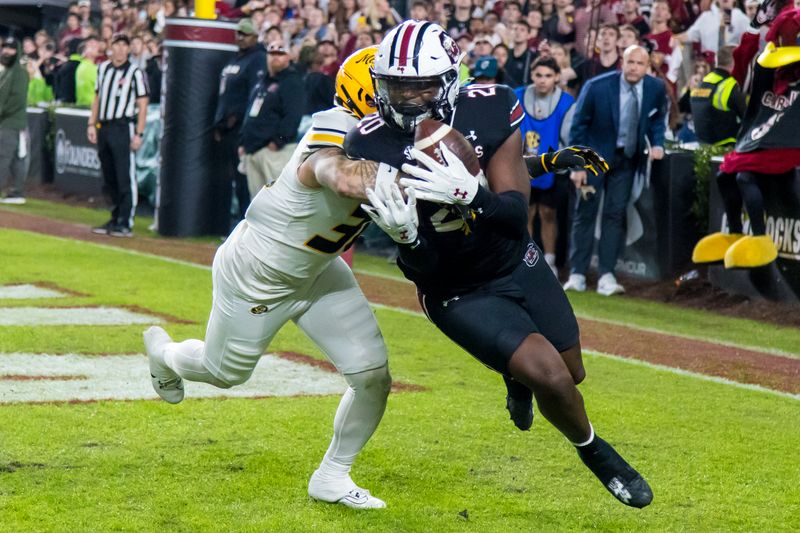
[(120, 97)]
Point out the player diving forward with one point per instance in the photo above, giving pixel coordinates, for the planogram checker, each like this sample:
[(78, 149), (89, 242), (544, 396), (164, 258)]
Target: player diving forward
[(282, 263), (481, 279)]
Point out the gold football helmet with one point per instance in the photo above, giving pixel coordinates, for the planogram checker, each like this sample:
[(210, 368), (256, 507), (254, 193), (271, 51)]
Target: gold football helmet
[(354, 90)]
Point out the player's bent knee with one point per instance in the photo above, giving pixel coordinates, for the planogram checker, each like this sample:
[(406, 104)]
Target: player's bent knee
[(377, 380)]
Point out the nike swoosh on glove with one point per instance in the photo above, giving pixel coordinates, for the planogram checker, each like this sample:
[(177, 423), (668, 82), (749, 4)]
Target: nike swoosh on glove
[(396, 216), (450, 183)]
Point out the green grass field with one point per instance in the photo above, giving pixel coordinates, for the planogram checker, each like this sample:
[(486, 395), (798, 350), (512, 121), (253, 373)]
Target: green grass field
[(719, 457)]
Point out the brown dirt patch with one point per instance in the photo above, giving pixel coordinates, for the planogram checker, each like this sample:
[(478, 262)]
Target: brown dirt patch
[(744, 366)]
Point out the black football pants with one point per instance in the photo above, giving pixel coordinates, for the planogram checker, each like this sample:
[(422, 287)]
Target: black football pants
[(119, 171)]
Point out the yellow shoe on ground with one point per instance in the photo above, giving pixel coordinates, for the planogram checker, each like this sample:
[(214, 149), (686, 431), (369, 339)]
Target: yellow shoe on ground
[(712, 248), (751, 252)]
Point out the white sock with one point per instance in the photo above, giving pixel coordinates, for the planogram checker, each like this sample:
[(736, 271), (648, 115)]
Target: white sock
[(358, 415)]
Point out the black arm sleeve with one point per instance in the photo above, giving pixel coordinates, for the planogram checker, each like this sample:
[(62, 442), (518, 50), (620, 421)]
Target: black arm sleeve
[(418, 257), (534, 165), (507, 211)]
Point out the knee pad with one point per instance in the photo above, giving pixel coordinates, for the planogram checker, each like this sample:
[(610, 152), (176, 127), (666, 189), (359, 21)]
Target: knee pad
[(377, 381)]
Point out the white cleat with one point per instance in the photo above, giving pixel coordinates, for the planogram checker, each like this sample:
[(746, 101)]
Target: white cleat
[(607, 285), (576, 282), (343, 491), (166, 382)]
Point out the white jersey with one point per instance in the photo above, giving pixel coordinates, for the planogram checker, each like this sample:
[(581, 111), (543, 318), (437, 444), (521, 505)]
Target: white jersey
[(294, 230)]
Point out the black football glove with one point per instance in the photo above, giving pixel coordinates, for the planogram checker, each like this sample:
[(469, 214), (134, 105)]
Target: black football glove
[(569, 158)]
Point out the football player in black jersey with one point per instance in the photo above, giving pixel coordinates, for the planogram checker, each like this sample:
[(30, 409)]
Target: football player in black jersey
[(464, 242)]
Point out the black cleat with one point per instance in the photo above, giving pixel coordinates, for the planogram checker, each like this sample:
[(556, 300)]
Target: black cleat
[(519, 402), (616, 475)]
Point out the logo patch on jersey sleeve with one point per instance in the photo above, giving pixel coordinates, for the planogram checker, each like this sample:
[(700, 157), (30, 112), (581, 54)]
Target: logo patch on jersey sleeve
[(531, 255)]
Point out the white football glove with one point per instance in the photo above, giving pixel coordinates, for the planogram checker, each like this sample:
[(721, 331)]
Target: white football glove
[(394, 215), (450, 183)]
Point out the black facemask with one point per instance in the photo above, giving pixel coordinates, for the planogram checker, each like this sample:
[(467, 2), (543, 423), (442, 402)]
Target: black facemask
[(8, 59)]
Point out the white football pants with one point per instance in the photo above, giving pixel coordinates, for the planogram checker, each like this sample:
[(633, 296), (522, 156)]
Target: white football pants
[(246, 315)]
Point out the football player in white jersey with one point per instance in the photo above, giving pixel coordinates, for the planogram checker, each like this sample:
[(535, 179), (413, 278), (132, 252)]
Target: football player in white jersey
[(282, 263)]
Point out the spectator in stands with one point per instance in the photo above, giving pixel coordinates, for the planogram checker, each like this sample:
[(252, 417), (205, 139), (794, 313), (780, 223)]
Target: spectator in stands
[(593, 15), (722, 23), (86, 71), (153, 72), (545, 128), (568, 74), (39, 90), (316, 27), (663, 41), (85, 13), (615, 113), (631, 15), (560, 27), (458, 22), (628, 36), (329, 53), (64, 76), (485, 70), (238, 80), (501, 53), (319, 86), (272, 119), (72, 31), (517, 70), (341, 16), (605, 57), (139, 54), (420, 10), (13, 122)]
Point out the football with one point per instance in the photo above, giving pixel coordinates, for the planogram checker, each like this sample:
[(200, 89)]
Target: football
[(430, 133)]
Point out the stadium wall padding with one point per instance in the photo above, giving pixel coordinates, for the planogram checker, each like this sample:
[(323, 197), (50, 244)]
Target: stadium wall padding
[(194, 196)]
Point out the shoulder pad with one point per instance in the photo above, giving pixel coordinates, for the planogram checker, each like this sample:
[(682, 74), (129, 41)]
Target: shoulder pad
[(328, 128)]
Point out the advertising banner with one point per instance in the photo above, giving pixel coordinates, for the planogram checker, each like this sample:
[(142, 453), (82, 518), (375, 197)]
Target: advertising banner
[(76, 165)]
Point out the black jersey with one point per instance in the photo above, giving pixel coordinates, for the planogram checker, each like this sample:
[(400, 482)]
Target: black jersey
[(471, 251)]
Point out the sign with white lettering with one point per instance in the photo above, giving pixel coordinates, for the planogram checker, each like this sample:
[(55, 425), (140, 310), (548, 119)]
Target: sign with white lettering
[(76, 164)]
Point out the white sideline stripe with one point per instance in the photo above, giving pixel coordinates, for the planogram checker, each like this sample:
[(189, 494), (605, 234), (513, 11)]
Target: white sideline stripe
[(633, 361), (24, 292), (126, 377), (72, 316), (761, 349), (771, 351), (696, 375)]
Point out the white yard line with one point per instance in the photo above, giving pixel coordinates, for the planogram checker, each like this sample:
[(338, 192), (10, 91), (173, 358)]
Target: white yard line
[(27, 377), (72, 316), (25, 292)]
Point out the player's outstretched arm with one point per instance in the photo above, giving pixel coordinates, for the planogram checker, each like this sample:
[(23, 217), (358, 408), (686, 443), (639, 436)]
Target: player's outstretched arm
[(331, 168)]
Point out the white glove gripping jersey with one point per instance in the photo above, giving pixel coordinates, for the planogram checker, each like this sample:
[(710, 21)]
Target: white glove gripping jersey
[(295, 231)]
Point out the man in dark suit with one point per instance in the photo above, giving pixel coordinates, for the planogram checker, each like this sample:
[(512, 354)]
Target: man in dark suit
[(614, 114)]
